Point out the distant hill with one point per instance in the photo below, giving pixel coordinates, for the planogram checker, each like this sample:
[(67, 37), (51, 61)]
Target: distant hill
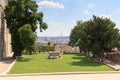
[(43, 38)]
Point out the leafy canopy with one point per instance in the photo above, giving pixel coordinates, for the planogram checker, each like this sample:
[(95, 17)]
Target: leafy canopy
[(97, 35), (22, 20)]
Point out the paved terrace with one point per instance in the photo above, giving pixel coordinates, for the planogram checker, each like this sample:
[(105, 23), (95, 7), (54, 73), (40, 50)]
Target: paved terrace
[(5, 65), (79, 76)]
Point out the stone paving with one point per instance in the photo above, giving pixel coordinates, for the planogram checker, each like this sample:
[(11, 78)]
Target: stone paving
[(112, 65), (5, 65), (101, 76)]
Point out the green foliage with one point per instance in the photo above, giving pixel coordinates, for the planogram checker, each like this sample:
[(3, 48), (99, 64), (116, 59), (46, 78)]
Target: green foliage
[(49, 43), (97, 35), (30, 38), (20, 15), (31, 50), (46, 48), (75, 34)]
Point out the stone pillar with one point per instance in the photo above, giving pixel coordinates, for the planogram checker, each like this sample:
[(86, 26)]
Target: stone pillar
[(1, 34), (5, 39)]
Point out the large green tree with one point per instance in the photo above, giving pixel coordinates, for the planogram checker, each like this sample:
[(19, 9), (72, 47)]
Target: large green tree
[(20, 16), (97, 35), (76, 34)]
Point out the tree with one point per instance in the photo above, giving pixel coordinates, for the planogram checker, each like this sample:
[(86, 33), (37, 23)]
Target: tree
[(79, 38), (97, 35), (103, 35), (20, 15), (76, 34), (49, 43), (28, 40)]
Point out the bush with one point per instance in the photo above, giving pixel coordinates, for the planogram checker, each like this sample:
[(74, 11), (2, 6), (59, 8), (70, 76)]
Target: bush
[(46, 48)]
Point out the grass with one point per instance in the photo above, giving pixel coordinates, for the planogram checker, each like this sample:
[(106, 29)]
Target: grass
[(69, 63)]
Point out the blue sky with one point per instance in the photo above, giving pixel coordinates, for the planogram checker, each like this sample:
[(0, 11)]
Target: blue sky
[(61, 15)]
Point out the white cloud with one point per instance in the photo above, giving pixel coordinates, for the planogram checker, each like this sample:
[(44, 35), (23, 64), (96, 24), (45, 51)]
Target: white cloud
[(91, 5), (118, 25), (86, 12), (106, 16), (52, 4)]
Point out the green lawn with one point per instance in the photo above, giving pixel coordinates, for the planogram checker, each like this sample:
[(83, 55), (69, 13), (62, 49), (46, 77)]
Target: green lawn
[(69, 63)]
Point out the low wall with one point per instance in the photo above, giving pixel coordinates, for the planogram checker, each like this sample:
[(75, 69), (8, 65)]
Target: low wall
[(115, 58)]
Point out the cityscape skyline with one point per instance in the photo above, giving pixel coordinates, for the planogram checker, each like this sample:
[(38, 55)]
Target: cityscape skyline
[(61, 15)]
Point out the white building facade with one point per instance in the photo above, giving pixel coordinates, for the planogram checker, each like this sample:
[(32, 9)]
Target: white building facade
[(5, 38)]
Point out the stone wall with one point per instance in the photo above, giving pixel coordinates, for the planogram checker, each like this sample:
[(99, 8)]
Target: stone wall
[(5, 38), (3, 3), (115, 58)]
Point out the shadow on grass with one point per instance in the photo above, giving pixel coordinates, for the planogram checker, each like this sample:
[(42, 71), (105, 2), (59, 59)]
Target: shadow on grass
[(84, 61), (21, 59)]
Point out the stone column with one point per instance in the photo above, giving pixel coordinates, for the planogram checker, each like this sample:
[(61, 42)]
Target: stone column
[(1, 34), (5, 38), (3, 28)]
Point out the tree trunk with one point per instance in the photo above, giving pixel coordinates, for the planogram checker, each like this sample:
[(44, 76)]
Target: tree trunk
[(93, 56), (80, 50), (2, 40), (14, 56)]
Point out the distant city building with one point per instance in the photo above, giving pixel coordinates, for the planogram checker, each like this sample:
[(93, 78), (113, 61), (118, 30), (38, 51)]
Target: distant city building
[(53, 40), (61, 44), (5, 38), (41, 42)]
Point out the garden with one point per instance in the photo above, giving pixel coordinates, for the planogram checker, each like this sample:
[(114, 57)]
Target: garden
[(39, 63)]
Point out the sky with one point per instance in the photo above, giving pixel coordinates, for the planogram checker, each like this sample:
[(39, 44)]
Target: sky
[(61, 15)]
